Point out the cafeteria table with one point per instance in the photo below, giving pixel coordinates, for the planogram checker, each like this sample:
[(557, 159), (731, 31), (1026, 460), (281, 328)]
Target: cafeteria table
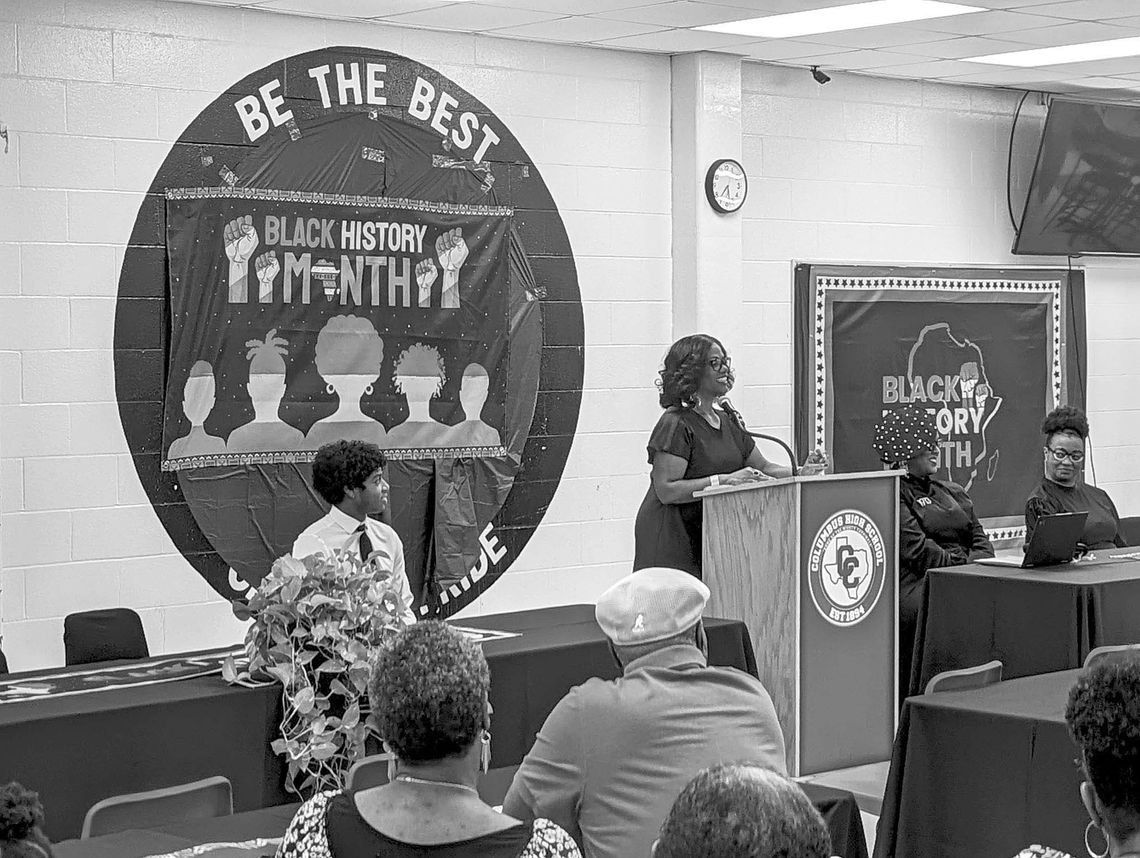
[(984, 772), (1034, 620)]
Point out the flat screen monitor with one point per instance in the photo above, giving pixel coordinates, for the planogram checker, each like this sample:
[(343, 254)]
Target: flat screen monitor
[(1085, 194)]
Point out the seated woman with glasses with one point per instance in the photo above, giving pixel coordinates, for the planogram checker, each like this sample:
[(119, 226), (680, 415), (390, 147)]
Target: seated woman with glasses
[(695, 445), (1064, 490)]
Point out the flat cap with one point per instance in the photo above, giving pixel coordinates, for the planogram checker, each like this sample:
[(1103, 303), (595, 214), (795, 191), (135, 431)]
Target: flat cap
[(651, 605)]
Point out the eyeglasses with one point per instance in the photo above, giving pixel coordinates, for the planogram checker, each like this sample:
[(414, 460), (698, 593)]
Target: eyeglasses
[(717, 363), (1059, 455)]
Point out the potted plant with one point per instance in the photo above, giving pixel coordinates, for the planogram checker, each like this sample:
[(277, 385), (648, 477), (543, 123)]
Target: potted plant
[(317, 624)]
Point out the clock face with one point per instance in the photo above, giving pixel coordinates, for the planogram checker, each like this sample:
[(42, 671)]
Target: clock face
[(726, 186)]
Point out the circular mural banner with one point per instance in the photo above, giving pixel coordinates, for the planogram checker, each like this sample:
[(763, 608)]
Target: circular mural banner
[(346, 244)]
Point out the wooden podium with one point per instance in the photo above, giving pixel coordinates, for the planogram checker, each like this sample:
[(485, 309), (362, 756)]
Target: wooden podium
[(810, 565)]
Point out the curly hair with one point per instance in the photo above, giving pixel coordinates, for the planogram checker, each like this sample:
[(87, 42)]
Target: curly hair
[(349, 345), (1067, 420), (742, 810), (420, 360), (343, 465), (1103, 714), (429, 693), (685, 363), (21, 823)]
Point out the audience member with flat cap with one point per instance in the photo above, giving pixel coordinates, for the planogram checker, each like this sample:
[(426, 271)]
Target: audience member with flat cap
[(742, 810), (429, 701), (937, 523), (613, 755), (1103, 715), (1064, 489), (22, 824), (349, 475)]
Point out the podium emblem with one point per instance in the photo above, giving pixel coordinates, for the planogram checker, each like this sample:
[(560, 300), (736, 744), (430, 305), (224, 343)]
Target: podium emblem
[(847, 567)]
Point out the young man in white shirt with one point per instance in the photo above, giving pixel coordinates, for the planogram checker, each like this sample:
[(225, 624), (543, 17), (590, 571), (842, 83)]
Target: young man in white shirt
[(349, 475)]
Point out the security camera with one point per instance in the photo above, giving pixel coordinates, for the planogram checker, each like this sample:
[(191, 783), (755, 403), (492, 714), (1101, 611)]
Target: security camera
[(820, 77)]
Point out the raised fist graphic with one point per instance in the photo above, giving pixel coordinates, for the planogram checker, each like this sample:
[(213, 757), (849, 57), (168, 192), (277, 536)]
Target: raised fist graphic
[(267, 268), (241, 241), (426, 272), (452, 252)]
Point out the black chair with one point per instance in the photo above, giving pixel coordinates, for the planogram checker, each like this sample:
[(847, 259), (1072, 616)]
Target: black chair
[(1130, 530), (3, 663), (106, 635)]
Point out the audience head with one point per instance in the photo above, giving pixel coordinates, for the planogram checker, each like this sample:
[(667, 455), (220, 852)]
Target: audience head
[(688, 371), (650, 610), (21, 824), (742, 810), (1103, 714), (349, 469), (1065, 429), (429, 693), (908, 437)]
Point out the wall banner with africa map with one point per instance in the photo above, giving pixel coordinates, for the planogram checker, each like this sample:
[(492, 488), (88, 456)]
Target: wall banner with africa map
[(299, 319), (988, 352)]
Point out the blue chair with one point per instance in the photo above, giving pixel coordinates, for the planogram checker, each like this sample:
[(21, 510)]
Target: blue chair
[(204, 799), (968, 677)]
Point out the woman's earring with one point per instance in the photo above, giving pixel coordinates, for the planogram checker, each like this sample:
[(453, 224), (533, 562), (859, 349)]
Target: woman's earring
[(1089, 828), (485, 752), (391, 763)]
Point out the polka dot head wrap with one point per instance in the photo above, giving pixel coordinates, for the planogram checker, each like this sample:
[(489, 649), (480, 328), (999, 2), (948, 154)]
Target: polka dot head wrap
[(903, 433)]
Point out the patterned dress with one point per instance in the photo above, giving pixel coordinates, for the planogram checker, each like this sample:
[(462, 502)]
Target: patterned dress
[(329, 826), (1038, 851)]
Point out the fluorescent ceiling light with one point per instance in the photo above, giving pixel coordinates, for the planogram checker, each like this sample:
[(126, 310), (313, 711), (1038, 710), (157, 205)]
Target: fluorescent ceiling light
[(831, 19), (1064, 54)]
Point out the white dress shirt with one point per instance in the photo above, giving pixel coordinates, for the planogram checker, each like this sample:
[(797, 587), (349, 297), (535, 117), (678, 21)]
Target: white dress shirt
[(337, 531)]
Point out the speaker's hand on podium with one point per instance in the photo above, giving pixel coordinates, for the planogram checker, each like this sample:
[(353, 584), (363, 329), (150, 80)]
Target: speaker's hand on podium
[(815, 463), (744, 475)]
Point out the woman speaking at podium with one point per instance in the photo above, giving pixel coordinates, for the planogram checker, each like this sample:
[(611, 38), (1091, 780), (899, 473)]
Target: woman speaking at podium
[(937, 523), (694, 445)]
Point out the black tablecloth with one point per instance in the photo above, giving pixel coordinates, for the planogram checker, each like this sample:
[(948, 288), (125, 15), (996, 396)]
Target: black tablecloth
[(838, 808), (984, 773), (1035, 621), (77, 750)]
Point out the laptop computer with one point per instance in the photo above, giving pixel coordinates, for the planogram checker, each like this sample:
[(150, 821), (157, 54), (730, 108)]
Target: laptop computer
[(1054, 542)]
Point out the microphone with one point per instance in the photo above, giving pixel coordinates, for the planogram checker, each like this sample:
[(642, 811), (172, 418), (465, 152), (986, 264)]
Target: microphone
[(728, 408)]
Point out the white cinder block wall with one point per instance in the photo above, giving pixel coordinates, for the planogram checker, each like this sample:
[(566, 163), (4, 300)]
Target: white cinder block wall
[(95, 91)]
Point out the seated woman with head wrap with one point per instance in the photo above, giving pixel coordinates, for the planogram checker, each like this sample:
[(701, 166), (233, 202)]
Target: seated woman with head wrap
[(1064, 490), (937, 523)]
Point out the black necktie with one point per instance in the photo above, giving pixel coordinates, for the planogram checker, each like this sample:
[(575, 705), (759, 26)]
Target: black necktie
[(365, 543)]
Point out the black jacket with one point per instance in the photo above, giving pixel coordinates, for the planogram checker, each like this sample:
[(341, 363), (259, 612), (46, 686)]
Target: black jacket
[(937, 527)]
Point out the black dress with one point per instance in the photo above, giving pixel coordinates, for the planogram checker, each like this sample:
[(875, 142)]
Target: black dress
[(670, 534), (1102, 527), (937, 527)]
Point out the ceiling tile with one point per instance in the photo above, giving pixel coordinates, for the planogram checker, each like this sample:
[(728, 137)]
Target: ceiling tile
[(780, 7), (891, 36), (679, 42), (969, 46), (783, 49), (577, 29), (1015, 78), (571, 7), (682, 13), (934, 70), (862, 60), (1074, 33), (471, 17), (1106, 83), (1088, 10), (987, 23), (350, 8), (1097, 68)]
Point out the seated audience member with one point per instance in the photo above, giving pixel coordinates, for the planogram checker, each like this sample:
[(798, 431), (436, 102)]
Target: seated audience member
[(429, 701), (21, 824), (742, 810), (349, 475), (937, 523), (613, 755), (1063, 489), (1104, 718)]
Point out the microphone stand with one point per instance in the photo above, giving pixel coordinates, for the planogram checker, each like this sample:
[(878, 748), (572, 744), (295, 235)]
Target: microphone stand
[(735, 415)]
